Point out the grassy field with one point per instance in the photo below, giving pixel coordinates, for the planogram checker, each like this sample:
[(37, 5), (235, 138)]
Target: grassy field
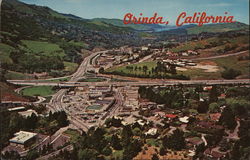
[(94, 107), (38, 91), (16, 75), (43, 48), (5, 53), (8, 94), (197, 73), (55, 80), (136, 70), (233, 62), (220, 44), (222, 63), (117, 154), (152, 142), (216, 28), (79, 44), (70, 67), (74, 135)]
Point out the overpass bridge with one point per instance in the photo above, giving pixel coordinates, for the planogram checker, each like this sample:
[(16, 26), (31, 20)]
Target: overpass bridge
[(137, 83)]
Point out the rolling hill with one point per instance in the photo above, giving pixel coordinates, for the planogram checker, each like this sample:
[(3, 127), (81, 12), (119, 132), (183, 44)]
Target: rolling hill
[(215, 28)]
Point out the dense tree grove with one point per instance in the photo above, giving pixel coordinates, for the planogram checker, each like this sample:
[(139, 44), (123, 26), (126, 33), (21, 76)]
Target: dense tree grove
[(94, 144), (176, 141), (230, 73), (171, 98), (13, 122)]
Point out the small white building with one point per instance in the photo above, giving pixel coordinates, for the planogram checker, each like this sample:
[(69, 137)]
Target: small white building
[(151, 131), (27, 113)]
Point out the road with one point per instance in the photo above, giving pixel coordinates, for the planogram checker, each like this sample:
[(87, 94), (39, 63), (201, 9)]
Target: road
[(56, 100), (138, 83), (220, 56)]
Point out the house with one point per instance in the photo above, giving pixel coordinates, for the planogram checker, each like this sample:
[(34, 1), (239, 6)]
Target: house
[(143, 48), (214, 154), (194, 141), (184, 119), (151, 132), (215, 116), (207, 88), (170, 116)]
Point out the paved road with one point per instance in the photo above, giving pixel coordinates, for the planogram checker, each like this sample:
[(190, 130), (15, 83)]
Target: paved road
[(56, 101), (138, 83), (220, 56)]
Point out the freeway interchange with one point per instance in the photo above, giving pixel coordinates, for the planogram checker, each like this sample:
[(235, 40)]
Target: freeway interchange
[(56, 102)]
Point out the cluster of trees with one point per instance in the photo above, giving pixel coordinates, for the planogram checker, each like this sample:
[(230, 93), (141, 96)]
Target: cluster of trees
[(97, 143), (230, 73), (160, 69), (23, 62), (13, 122), (176, 141), (241, 148), (159, 76), (172, 97)]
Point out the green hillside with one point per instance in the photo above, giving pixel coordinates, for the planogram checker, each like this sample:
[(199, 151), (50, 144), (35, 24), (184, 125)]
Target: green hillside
[(43, 48), (118, 22), (39, 39), (218, 28), (5, 53)]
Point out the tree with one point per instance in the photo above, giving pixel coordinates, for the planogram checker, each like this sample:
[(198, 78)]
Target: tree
[(31, 122), (155, 157), (12, 155), (132, 149), (137, 131), (227, 118), (162, 151), (145, 68), (33, 154), (214, 107), (203, 106), (107, 151), (176, 141), (213, 94), (230, 73), (87, 154), (172, 69), (126, 135), (115, 142), (235, 153), (62, 119), (101, 70)]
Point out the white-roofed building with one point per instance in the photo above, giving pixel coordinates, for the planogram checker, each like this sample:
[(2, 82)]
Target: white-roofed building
[(27, 113), (184, 119), (22, 138), (151, 131)]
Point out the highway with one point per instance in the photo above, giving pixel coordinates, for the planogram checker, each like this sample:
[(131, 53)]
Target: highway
[(138, 83), (56, 100)]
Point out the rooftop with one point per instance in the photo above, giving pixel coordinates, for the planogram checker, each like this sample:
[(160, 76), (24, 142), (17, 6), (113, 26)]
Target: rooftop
[(27, 113), (22, 136)]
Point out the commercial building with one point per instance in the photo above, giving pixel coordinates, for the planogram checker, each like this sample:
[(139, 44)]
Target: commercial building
[(23, 139)]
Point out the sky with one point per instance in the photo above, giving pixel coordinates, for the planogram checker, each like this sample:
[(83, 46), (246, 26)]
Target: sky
[(169, 9)]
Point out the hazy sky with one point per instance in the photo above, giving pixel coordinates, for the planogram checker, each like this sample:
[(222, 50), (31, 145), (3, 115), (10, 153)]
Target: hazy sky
[(170, 9)]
